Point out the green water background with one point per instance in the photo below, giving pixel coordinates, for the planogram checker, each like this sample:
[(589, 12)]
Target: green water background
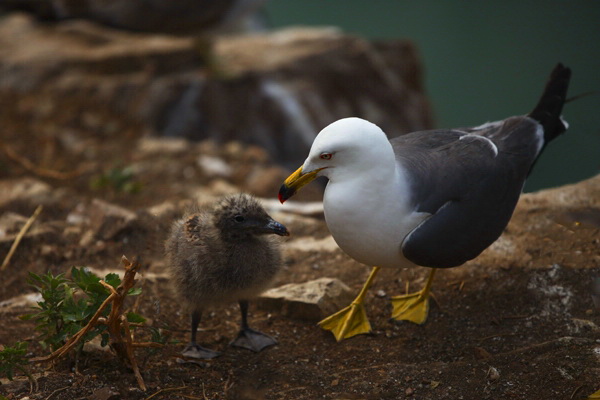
[(486, 60)]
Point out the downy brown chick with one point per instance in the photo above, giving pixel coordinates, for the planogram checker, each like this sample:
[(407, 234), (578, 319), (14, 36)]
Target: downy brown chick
[(221, 255)]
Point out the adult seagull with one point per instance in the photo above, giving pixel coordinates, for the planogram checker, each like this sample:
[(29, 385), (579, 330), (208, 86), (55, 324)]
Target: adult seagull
[(433, 198)]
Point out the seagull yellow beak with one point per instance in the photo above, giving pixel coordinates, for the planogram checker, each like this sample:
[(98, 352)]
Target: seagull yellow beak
[(295, 182)]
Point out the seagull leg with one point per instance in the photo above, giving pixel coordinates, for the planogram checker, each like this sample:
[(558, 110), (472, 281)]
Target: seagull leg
[(351, 320), (249, 338), (413, 307), (193, 349)]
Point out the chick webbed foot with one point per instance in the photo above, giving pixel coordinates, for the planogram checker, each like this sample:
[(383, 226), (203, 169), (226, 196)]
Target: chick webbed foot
[(253, 340), (194, 350), (249, 338)]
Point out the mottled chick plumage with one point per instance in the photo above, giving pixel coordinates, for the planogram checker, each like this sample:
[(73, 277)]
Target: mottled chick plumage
[(227, 253)]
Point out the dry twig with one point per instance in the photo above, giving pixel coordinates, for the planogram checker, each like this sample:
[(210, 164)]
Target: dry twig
[(129, 352), (496, 336), (204, 392), (575, 391), (56, 391), (460, 284), (20, 236), (228, 384), (147, 344), (165, 390), (43, 172)]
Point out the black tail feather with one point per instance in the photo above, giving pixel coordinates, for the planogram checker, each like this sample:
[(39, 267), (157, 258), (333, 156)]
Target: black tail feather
[(548, 110)]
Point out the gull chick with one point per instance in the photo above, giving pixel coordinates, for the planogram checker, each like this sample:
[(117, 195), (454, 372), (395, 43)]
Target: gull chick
[(225, 254)]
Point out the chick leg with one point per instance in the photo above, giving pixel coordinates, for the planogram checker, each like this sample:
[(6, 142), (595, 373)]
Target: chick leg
[(413, 307), (193, 349), (249, 338), (352, 320)]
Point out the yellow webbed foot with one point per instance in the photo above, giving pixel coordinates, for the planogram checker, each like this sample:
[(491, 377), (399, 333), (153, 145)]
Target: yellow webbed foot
[(595, 395), (352, 320), (349, 321), (412, 307)]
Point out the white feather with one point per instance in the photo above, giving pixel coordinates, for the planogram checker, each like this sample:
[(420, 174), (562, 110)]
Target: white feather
[(487, 140)]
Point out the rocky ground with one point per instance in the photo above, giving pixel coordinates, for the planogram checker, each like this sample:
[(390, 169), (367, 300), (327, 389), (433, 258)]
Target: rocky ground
[(518, 322)]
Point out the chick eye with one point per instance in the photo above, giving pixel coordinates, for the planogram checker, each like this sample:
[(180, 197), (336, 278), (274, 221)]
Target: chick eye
[(325, 156), (239, 218)]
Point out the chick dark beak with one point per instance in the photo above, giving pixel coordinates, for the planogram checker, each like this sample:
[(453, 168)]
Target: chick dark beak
[(276, 228), (295, 182)]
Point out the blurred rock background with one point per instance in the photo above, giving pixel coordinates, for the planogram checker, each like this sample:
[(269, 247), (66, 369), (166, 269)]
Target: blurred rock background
[(476, 64), (65, 77)]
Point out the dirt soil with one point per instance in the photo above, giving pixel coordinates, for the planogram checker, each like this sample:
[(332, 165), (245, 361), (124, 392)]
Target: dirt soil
[(516, 323)]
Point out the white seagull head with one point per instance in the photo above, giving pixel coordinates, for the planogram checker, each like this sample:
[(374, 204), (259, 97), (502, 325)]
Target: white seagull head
[(344, 149)]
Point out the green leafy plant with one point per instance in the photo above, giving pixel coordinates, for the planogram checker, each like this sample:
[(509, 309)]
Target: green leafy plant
[(49, 318), (68, 305), (79, 309), (13, 359), (118, 179)]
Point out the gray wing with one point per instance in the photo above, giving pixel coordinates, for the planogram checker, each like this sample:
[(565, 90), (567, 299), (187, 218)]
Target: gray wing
[(469, 180)]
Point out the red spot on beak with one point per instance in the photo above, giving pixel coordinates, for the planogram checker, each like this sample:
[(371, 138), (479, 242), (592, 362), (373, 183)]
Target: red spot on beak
[(280, 197)]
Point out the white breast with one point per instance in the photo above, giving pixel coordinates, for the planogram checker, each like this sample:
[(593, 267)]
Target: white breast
[(370, 217)]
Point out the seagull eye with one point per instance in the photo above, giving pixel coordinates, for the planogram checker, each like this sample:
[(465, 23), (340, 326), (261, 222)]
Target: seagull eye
[(325, 156), (239, 218)]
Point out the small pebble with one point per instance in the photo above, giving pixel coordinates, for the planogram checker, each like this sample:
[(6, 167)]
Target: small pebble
[(493, 374)]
